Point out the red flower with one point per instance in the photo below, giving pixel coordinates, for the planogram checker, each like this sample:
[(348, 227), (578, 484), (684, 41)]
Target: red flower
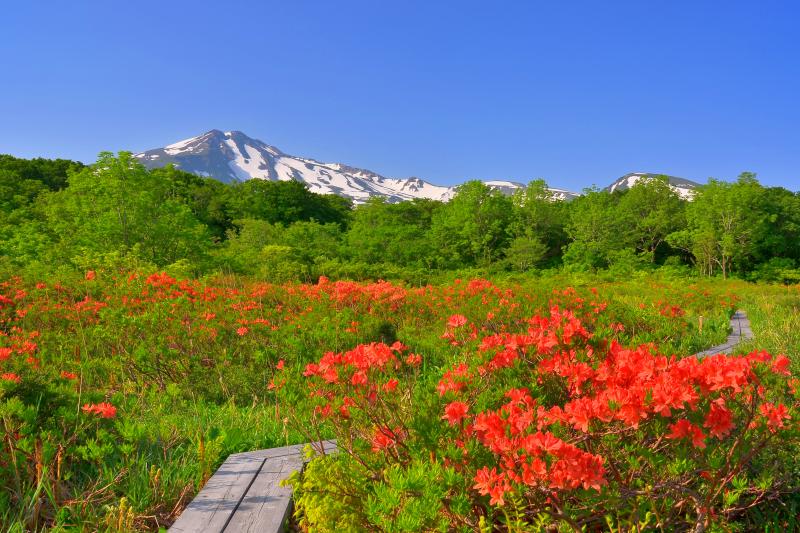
[(68, 375), (775, 415), (781, 365), (456, 321), (455, 412), (683, 428), (280, 364), (390, 385), (90, 275), (160, 280), (383, 438), (719, 420), (330, 375), (413, 359), (242, 331), (324, 411), (543, 442), (10, 376), (491, 483), (534, 472), (359, 378), (103, 409)]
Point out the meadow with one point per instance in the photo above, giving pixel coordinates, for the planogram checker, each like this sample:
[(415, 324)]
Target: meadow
[(122, 392)]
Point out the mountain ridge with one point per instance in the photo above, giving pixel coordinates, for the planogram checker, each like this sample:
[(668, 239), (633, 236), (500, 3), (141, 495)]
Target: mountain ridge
[(231, 156)]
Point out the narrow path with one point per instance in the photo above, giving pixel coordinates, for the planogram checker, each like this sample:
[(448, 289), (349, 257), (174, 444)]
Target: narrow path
[(740, 331)]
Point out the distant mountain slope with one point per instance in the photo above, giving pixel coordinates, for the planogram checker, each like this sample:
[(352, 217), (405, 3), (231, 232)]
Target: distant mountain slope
[(233, 156), (685, 188)]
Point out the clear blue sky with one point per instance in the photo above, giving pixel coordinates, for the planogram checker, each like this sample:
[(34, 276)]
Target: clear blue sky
[(573, 92)]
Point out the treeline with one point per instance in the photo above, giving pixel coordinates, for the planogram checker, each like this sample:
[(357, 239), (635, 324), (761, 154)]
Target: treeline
[(59, 214)]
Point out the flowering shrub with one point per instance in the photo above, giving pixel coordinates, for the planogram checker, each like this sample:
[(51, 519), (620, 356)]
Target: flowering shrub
[(121, 393), (545, 422), (103, 409)]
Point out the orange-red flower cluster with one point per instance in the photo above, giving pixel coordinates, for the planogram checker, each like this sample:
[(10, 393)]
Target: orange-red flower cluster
[(10, 376), (616, 385), (103, 409)]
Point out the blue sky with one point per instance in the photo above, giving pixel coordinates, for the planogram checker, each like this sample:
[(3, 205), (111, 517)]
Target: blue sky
[(573, 92)]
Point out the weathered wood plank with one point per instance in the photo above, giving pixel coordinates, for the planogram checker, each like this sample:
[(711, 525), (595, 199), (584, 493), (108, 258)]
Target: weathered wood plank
[(245, 495), (296, 449), (212, 507), (266, 506)]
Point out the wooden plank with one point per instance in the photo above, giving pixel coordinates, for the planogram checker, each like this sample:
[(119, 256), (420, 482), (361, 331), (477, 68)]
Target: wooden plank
[(266, 506), (212, 507), (273, 452), (297, 449), (245, 493)]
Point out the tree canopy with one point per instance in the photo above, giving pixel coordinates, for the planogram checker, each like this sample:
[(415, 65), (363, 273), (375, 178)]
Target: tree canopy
[(62, 214)]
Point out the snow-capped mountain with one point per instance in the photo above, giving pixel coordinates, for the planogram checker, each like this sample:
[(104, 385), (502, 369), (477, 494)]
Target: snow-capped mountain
[(233, 156), (509, 187), (683, 187)]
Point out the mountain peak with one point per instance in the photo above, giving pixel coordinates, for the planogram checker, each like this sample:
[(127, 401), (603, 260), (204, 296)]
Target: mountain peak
[(684, 188), (231, 156), (234, 156)]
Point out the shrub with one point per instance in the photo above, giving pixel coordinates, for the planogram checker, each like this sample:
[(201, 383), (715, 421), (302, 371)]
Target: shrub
[(542, 422)]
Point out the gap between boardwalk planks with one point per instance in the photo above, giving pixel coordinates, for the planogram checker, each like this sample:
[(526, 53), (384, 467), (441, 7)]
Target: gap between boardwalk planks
[(245, 496)]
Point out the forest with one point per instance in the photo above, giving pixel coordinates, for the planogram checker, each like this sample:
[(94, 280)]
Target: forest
[(60, 214)]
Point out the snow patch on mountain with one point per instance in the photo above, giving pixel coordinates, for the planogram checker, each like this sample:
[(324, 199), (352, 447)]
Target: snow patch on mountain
[(684, 188), (233, 156)]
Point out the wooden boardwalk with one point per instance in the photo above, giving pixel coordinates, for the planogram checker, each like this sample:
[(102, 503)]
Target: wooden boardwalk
[(740, 331), (245, 496)]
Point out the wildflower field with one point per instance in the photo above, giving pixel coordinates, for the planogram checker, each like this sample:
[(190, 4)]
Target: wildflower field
[(554, 403)]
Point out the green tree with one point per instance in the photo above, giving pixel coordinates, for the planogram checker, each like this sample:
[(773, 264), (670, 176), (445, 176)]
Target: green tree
[(539, 225), (782, 238), (725, 222), (650, 211), (472, 228), (596, 230), (312, 241), (208, 199), (244, 242), (285, 202), (50, 172), (116, 205), (525, 253), (383, 232)]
